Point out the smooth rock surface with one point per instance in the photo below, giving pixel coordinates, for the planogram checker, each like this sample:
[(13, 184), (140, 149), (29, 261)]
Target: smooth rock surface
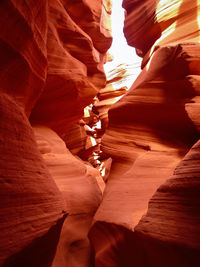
[(23, 34), (32, 208), (95, 20), (75, 67), (51, 68), (163, 22), (50, 63), (81, 187), (170, 229), (150, 130)]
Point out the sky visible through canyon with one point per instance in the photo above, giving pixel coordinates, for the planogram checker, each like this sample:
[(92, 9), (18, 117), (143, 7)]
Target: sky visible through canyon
[(122, 53)]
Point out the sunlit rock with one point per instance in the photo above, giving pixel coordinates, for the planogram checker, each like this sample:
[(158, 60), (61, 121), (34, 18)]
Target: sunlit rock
[(160, 23), (170, 229), (93, 17), (150, 130), (81, 187), (51, 68), (115, 172), (75, 73)]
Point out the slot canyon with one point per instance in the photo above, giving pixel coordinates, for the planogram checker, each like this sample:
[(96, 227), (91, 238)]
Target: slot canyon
[(99, 166)]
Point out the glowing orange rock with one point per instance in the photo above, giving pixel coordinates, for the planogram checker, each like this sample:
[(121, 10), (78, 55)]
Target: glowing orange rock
[(75, 66), (81, 187), (160, 22), (51, 67), (150, 130)]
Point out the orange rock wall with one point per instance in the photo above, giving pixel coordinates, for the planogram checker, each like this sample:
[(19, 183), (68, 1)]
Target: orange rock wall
[(159, 22), (52, 55), (75, 62), (32, 208), (81, 191), (147, 218), (52, 63), (23, 38)]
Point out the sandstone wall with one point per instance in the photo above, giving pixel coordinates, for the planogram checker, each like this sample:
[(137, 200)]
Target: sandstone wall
[(160, 22), (75, 63), (32, 207), (80, 186), (52, 55), (144, 220)]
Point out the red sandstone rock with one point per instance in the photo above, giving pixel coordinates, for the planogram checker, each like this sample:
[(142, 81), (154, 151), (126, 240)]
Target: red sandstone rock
[(75, 138), (52, 67), (149, 132), (81, 186), (32, 208), (170, 229), (75, 67), (75, 70), (109, 95), (141, 28), (94, 18), (168, 22), (23, 32)]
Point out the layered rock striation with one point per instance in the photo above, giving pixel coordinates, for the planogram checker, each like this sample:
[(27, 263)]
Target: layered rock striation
[(75, 64), (23, 50), (144, 218), (32, 207), (52, 55), (172, 220), (147, 212), (81, 187), (149, 23)]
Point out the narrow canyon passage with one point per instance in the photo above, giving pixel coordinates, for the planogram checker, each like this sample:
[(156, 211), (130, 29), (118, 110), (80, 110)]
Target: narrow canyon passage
[(121, 69), (99, 140)]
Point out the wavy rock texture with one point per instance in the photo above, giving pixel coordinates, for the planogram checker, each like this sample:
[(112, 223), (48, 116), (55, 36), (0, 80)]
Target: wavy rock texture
[(168, 235), (51, 68), (75, 65), (110, 94), (163, 22), (81, 188), (173, 217), (55, 57), (23, 34), (150, 130), (92, 17), (32, 208)]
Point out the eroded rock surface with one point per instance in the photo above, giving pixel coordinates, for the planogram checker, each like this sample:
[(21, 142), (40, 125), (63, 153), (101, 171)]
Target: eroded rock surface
[(32, 208), (80, 186), (52, 55), (163, 22), (23, 32), (51, 68), (75, 65), (173, 217), (150, 130)]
